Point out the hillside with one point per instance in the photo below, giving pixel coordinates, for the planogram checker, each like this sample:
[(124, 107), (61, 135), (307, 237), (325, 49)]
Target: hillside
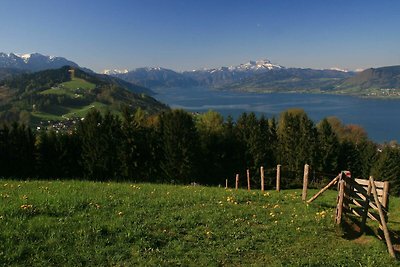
[(383, 81), (157, 78), (67, 92), (72, 223), (290, 80), (9, 72)]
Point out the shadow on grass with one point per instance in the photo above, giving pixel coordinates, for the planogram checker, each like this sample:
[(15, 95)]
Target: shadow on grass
[(351, 229)]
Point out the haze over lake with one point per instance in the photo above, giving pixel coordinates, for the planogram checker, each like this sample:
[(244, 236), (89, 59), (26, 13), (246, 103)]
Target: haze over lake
[(380, 118)]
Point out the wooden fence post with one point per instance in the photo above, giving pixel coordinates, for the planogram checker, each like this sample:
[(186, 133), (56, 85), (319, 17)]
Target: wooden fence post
[(382, 218), (237, 181), (305, 182), (248, 179), (385, 198), (385, 195), (339, 208), (262, 178), (366, 206), (278, 177), (226, 184)]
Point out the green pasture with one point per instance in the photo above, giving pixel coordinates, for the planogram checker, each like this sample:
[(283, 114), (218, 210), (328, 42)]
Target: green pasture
[(75, 223)]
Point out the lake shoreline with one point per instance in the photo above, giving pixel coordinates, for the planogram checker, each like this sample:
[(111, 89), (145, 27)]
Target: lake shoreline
[(379, 117)]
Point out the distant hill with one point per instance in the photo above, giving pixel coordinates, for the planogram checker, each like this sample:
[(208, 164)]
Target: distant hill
[(9, 72), (373, 78), (155, 77), (67, 92), (289, 80)]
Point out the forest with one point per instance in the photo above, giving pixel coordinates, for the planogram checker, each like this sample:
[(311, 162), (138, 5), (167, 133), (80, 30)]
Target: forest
[(179, 147)]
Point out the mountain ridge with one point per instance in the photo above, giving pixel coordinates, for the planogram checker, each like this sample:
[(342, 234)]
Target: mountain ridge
[(33, 61), (235, 77)]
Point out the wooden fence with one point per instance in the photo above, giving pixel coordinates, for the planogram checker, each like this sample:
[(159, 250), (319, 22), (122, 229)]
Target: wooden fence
[(365, 199), (278, 179)]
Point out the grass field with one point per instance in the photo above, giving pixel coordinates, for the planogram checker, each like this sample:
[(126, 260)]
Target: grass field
[(72, 223), (59, 113), (78, 83), (70, 88)]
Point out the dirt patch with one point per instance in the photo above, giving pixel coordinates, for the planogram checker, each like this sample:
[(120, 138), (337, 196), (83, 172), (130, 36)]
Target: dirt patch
[(351, 228)]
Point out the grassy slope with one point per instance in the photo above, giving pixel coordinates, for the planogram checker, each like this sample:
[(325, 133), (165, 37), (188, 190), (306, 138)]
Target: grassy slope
[(83, 223), (69, 89), (62, 113), (78, 83)]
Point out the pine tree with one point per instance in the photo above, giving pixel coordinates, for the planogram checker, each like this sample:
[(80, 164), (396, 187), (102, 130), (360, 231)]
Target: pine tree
[(179, 146), (387, 167), (297, 139), (328, 148), (210, 127), (101, 142), (140, 146)]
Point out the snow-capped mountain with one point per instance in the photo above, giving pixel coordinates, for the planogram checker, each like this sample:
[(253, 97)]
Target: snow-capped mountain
[(114, 72), (251, 66), (253, 74), (226, 75), (339, 69), (161, 77), (33, 62), (259, 65)]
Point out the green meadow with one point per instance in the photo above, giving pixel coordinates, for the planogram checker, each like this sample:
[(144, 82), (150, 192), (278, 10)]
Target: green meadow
[(78, 223)]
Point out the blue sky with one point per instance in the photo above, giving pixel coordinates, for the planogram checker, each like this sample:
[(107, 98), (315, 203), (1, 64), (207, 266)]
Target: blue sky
[(192, 34)]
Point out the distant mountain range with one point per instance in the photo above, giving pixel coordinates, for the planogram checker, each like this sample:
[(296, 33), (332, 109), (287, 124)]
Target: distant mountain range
[(33, 62), (261, 75), (253, 76), (264, 76)]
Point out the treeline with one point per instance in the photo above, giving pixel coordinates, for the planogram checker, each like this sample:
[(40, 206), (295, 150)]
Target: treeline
[(179, 147)]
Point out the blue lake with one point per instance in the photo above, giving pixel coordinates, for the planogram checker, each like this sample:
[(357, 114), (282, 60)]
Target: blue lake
[(380, 118)]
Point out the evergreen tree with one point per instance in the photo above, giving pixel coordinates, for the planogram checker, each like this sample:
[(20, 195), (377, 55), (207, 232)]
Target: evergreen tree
[(101, 142), (5, 151), (297, 139), (47, 155), (328, 148), (58, 155), (368, 155), (179, 146), (21, 145), (215, 148), (387, 167), (140, 144), (273, 143), (233, 149), (350, 159)]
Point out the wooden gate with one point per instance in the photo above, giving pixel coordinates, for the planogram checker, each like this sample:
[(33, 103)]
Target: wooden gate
[(366, 199)]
